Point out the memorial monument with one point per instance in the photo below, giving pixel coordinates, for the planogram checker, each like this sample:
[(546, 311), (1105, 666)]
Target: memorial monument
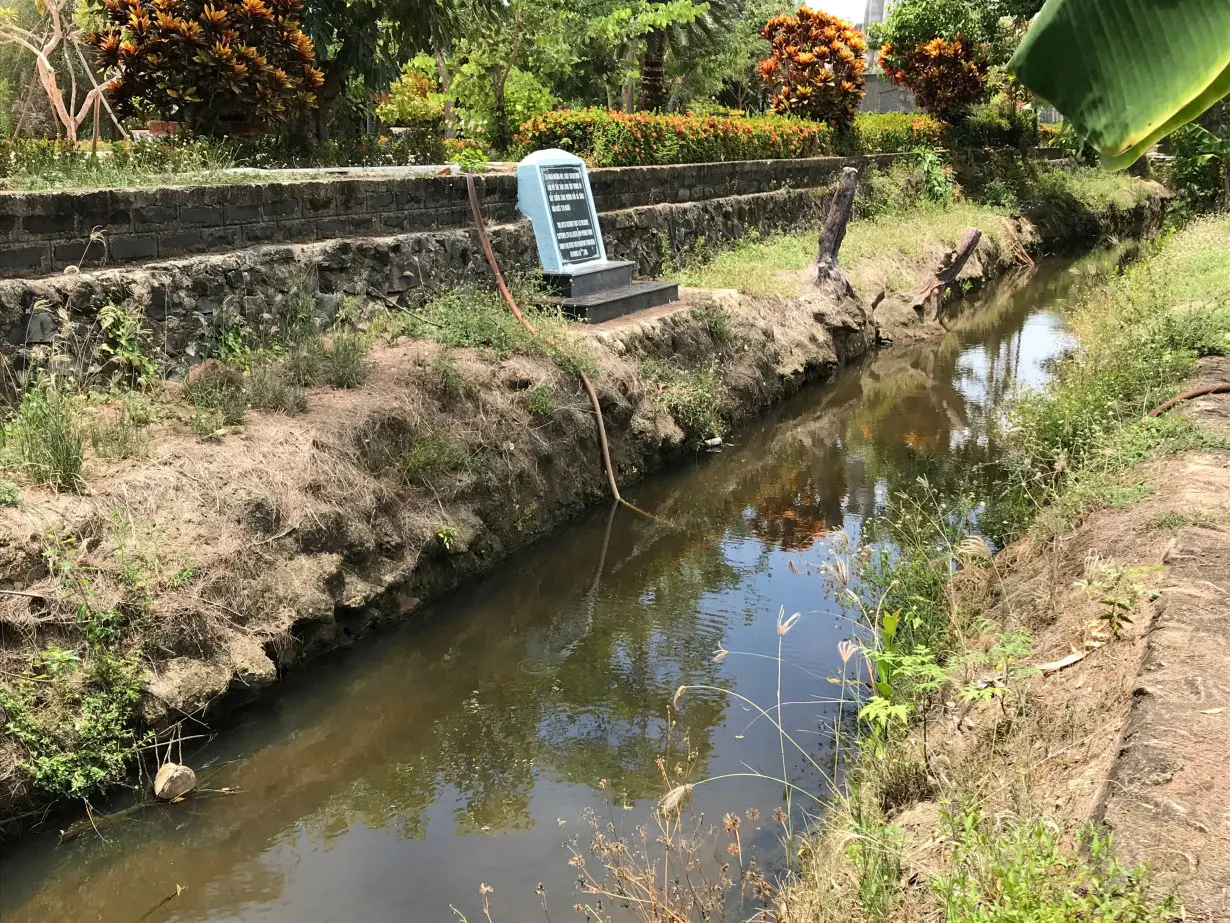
[(553, 192)]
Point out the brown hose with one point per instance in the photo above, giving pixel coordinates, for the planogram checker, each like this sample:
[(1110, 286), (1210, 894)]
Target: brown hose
[(485, 241), (1223, 388)]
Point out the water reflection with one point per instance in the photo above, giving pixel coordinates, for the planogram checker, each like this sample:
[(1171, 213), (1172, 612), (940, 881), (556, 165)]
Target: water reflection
[(387, 782)]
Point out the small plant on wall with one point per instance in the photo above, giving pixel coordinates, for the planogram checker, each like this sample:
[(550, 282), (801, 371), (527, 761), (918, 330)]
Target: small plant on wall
[(816, 66), (222, 66)]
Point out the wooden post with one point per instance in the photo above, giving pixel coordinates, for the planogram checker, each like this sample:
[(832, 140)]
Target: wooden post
[(950, 267), (826, 270)]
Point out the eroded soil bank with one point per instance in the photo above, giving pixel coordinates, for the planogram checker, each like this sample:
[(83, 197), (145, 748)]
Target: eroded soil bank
[(231, 558)]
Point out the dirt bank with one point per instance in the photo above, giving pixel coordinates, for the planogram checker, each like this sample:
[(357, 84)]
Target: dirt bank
[(214, 563)]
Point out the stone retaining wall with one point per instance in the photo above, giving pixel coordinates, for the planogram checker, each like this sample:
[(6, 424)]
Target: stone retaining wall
[(42, 233), (189, 301)]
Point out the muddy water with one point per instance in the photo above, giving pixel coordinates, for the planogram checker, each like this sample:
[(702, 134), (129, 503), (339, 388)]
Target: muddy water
[(387, 782)]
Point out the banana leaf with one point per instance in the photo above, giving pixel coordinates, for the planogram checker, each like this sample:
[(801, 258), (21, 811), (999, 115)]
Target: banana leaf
[(1126, 73)]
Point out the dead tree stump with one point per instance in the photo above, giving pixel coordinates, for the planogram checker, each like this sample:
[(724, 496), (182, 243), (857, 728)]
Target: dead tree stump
[(950, 267), (825, 271)]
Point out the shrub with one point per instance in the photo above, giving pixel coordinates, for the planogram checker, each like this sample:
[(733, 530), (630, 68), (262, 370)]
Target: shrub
[(421, 143), (10, 493), (212, 64), (891, 132), (815, 65), (409, 102), (615, 139), (268, 389), (944, 76), (216, 391), (345, 363), (47, 438), (996, 124)]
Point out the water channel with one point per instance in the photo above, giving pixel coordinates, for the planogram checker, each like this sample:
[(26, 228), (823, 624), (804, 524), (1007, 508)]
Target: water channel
[(386, 782)]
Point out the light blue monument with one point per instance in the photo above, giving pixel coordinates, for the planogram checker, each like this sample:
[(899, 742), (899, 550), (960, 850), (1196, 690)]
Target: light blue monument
[(553, 192)]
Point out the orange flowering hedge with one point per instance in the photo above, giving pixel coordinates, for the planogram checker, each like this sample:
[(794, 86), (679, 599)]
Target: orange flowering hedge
[(212, 64), (815, 67), (944, 76), (617, 139)]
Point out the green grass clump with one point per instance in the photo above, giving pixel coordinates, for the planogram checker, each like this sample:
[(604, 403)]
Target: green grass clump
[(75, 718), (477, 316), (431, 458), (269, 388), (345, 361), (217, 393), (541, 401), (10, 493), (693, 396), (46, 436), (122, 431)]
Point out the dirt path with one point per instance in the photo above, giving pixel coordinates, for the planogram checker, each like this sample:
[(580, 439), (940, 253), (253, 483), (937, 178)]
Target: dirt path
[(1168, 798)]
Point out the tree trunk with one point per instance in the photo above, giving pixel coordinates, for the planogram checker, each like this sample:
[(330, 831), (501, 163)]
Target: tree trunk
[(446, 80), (336, 73), (501, 136), (653, 75), (950, 267), (825, 270)]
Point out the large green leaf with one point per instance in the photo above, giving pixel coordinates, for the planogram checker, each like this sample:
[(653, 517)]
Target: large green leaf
[(1126, 73)]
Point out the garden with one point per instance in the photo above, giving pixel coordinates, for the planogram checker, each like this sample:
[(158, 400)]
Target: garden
[(130, 92)]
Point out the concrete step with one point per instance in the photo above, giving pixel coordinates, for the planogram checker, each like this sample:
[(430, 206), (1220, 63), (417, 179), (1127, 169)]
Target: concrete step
[(635, 296), (588, 280)]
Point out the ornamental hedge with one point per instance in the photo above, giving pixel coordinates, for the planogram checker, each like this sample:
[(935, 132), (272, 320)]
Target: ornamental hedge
[(617, 139)]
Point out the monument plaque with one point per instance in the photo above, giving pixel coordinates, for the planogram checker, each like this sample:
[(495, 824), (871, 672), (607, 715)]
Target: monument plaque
[(553, 192)]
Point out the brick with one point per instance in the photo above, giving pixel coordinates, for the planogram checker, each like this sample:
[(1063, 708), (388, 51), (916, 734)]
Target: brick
[(287, 207), (160, 216), (79, 252), (332, 227), (22, 257), (7, 223), (261, 233), (243, 214), (55, 223), (200, 216), (178, 244), (381, 201), (137, 247)]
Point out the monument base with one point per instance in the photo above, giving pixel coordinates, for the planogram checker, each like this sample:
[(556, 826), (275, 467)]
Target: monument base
[(605, 289)]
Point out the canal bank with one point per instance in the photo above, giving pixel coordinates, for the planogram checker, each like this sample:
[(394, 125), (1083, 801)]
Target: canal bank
[(218, 562), (468, 745)]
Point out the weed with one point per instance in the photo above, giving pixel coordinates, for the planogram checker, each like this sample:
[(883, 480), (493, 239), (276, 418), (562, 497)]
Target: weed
[(345, 362), (10, 493), (184, 576), (303, 363), (716, 323), (269, 389), (128, 343), (46, 436), (938, 182), (123, 432), (1019, 872), (541, 401), (217, 392), (447, 536), (75, 719), (431, 458), (694, 397)]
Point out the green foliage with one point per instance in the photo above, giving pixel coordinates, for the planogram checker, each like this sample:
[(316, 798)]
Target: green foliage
[(421, 143), (891, 132), (410, 102), (448, 536), (541, 401), (128, 343), (693, 396), (431, 458), (612, 139), (470, 158), (46, 436), (1153, 68), (34, 163), (345, 361), (217, 392), (1019, 872), (938, 182), (216, 66), (269, 388), (75, 719), (1200, 173), (477, 316), (10, 493), (998, 123), (121, 431)]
